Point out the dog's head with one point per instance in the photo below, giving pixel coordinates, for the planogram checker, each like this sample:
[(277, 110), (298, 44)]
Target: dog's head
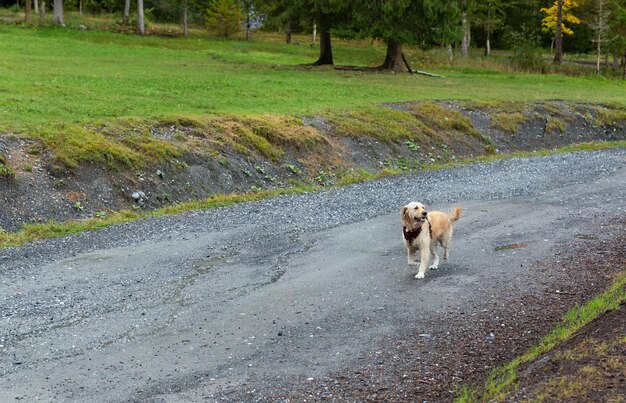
[(413, 213)]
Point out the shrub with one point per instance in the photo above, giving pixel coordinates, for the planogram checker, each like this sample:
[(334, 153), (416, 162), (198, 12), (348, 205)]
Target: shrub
[(222, 18), (526, 51)]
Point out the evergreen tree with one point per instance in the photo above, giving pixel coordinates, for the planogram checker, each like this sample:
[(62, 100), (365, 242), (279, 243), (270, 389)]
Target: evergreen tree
[(223, 17)]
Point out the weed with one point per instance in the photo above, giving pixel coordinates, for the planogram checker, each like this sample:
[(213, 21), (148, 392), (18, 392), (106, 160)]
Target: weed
[(293, 169), (324, 178), (412, 146), (5, 170)]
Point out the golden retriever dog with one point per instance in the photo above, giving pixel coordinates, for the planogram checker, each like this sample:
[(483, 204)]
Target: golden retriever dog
[(421, 230)]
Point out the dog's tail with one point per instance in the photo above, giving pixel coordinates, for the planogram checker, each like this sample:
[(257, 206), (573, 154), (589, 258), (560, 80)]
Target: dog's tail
[(455, 214)]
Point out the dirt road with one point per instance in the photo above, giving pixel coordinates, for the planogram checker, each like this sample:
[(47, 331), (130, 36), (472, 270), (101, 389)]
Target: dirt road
[(277, 298)]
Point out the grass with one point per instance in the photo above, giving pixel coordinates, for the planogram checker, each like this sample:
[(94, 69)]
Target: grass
[(53, 77), (33, 232), (502, 380), (507, 122), (94, 95)]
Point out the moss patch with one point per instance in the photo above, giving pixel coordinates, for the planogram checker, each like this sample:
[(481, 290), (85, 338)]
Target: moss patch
[(507, 122)]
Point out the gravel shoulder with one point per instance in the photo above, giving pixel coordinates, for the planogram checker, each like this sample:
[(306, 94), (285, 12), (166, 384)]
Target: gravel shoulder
[(310, 295)]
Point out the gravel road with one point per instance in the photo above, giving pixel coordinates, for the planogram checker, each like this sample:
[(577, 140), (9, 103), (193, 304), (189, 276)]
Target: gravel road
[(253, 301)]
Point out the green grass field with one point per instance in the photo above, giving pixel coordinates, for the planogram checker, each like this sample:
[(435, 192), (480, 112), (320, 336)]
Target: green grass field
[(53, 76)]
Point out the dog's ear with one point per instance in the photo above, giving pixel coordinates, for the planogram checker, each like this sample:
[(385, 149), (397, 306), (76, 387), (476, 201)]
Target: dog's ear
[(403, 211)]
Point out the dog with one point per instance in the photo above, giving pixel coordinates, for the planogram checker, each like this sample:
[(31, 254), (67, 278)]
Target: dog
[(421, 230)]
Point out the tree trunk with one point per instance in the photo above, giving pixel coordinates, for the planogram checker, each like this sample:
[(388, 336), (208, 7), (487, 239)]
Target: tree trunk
[(141, 28), (42, 16), (326, 49), (465, 42), (80, 7), (58, 13), (450, 52), (185, 18), (615, 60), (288, 32), (126, 12), (598, 53), (27, 10), (36, 4), (314, 33), (488, 32), (393, 59), (558, 38), (248, 24)]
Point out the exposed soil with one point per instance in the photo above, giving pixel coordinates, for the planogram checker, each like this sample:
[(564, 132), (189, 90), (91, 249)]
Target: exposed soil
[(40, 190)]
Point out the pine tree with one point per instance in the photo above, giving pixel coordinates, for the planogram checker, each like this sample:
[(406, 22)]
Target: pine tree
[(222, 18)]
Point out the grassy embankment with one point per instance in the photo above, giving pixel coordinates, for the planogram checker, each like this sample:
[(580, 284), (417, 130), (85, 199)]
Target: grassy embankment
[(504, 381), (93, 96)]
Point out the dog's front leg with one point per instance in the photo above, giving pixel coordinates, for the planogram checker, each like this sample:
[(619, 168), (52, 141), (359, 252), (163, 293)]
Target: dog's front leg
[(424, 252), (433, 253), (411, 256)]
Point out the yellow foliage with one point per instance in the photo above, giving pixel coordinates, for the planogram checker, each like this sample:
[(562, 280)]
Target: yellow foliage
[(549, 21)]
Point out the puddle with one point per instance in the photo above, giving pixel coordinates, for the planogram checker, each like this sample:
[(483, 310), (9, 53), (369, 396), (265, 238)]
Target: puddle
[(512, 246), (207, 263), (586, 237)]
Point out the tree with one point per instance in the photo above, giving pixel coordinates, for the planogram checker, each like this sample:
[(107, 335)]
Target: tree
[(27, 10), (396, 22), (490, 15), (465, 28), (442, 17), (126, 18), (58, 13), (185, 18), (554, 21), (328, 15), (617, 34), (600, 25), (141, 27), (223, 17), (248, 8)]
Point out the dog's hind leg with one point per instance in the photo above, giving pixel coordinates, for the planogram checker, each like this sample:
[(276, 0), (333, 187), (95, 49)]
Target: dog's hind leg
[(445, 243)]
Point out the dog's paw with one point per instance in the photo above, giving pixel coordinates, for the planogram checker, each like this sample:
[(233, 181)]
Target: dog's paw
[(433, 267), (419, 275), (412, 263)]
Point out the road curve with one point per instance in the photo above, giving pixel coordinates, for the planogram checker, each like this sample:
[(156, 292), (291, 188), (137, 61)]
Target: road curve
[(241, 302)]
